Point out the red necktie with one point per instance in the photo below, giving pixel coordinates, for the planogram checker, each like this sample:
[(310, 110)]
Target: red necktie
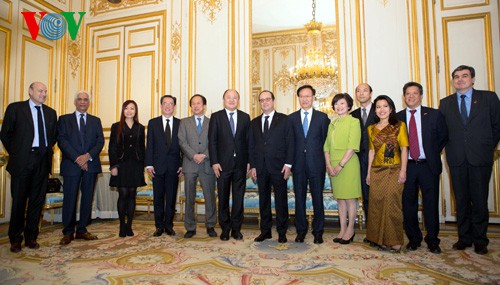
[(414, 149)]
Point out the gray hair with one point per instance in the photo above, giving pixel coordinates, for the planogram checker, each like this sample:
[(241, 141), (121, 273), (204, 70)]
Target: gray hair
[(82, 92)]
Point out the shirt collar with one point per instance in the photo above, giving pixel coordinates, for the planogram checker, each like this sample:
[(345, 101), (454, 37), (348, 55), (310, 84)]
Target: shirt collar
[(309, 111), (418, 109), (467, 94)]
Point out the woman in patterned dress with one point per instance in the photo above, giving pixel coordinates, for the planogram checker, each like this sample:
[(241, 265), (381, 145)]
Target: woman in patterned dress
[(387, 161)]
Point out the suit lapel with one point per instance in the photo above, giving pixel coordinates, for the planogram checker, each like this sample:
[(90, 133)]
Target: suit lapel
[(474, 105), (27, 112), (424, 122), (454, 106)]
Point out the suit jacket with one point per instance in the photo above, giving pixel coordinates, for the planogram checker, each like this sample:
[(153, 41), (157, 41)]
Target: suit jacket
[(68, 140), (476, 142), (312, 146), (275, 148), (434, 135), (158, 155), (18, 132), (191, 143), (116, 149), (222, 146), (363, 146)]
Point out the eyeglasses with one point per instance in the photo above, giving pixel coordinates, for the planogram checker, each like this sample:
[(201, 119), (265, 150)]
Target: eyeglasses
[(265, 100)]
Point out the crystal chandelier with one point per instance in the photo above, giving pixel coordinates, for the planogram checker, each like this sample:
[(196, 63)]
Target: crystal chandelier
[(317, 69)]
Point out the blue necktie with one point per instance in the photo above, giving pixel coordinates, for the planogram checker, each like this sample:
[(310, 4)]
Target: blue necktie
[(41, 132), (463, 110), (305, 123), (199, 126), (231, 123)]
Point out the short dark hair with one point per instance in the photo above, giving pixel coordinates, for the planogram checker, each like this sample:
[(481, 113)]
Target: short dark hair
[(228, 90), (272, 94), (305, 87), (465, 67), (203, 99), (410, 84), (344, 96), (168, 96), (393, 120)]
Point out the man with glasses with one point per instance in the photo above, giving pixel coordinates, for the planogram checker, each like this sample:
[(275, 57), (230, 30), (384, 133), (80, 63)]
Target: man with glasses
[(271, 158)]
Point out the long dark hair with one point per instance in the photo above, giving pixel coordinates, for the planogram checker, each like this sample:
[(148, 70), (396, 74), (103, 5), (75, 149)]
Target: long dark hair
[(122, 118), (393, 120)]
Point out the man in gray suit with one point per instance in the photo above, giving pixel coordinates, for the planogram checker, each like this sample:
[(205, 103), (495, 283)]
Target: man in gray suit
[(193, 140)]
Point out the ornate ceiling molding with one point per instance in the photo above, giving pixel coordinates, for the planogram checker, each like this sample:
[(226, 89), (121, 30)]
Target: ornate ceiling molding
[(74, 51), (210, 8), (103, 6), (255, 67), (288, 39), (176, 41)]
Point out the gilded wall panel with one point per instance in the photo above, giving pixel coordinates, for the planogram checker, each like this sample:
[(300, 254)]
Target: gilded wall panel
[(142, 37), (457, 53), (6, 10), (43, 55), (5, 36), (176, 42), (103, 6), (108, 42), (141, 81), (461, 4), (107, 88)]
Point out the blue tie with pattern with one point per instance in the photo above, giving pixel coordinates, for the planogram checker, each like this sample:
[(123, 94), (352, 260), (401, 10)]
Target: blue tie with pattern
[(199, 126), (463, 110), (231, 123), (305, 124)]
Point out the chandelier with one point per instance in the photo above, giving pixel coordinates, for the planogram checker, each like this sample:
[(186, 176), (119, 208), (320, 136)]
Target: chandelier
[(317, 69)]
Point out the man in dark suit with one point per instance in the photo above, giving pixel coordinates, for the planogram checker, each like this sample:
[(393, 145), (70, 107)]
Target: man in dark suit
[(271, 159), (473, 120), (365, 113), (81, 140), (163, 164), (28, 134), (228, 136), (193, 139), (427, 134), (310, 128)]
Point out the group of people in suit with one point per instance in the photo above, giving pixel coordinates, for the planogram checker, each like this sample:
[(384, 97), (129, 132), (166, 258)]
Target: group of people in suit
[(372, 152)]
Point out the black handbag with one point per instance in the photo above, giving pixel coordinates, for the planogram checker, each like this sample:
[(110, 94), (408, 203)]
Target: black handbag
[(54, 185)]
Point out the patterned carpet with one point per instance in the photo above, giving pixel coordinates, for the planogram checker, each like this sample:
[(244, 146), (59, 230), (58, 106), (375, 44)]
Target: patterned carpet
[(143, 259)]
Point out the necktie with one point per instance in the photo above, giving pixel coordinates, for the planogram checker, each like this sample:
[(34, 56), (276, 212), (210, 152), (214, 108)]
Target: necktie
[(82, 128), (231, 123), (363, 116), (463, 110), (199, 126), (305, 123), (266, 124), (413, 139), (41, 132), (168, 134)]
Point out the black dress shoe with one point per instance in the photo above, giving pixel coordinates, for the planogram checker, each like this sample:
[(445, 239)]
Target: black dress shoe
[(460, 245), (282, 238), (236, 235), (263, 237), (15, 247), (347, 241), (32, 244), (211, 232), (300, 237), (413, 246), (224, 235), (170, 232), (189, 234), (434, 248), (158, 232), (318, 238), (481, 248), (336, 240)]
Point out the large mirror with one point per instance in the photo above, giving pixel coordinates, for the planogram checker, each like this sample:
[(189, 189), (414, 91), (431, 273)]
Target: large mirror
[(281, 45)]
